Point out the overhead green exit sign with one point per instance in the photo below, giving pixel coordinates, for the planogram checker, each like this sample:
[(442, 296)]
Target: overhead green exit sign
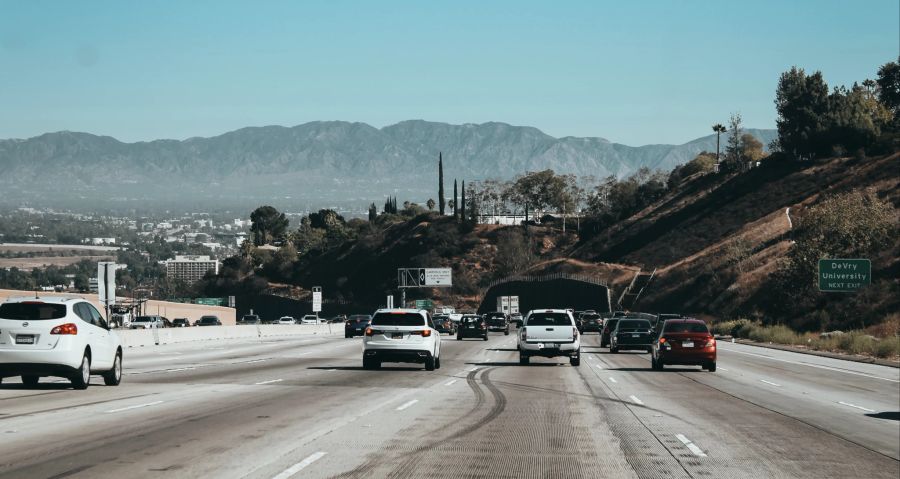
[(844, 275)]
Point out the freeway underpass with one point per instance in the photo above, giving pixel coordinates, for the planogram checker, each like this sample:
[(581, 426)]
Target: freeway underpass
[(302, 406)]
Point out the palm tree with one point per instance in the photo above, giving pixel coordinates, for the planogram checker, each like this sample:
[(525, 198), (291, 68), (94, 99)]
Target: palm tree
[(719, 129)]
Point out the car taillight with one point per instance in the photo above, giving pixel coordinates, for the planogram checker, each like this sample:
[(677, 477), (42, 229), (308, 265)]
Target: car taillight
[(483, 325), (711, 343), (370, 331), (424, 333), (68, 328), (524, 334), (574, 333), (662, 340)]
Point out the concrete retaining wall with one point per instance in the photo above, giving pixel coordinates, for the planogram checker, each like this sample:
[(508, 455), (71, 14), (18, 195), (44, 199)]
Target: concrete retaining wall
[(150, 337)]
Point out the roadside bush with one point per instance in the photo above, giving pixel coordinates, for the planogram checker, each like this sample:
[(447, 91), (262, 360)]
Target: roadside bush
[(888, 348)]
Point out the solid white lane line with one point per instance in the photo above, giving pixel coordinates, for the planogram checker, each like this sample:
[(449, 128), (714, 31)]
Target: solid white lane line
[(450, 383), (178, 369), (810, 365), (855, 406), (690, 445), (331, 370), (251, 361), (613, 379), (136, 406), (289, 472), (269, 381), (407, 404), (635, 400), (770, 383)]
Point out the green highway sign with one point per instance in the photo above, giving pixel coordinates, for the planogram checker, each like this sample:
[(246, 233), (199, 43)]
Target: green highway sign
[(425, 304), (844, 275)]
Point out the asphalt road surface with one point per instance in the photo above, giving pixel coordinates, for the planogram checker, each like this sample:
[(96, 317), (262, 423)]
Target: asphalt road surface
[(305, 408)]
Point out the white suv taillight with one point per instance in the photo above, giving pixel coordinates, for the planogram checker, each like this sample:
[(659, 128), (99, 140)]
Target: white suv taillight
[(68, 328), (424, 333), (574, 333), (524, 334)]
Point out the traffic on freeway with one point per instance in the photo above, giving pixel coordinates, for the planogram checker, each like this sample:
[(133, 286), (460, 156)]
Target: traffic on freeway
[(403, 401)]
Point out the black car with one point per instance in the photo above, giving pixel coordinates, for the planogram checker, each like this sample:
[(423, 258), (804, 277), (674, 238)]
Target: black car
[(356, 325), (517, 319), (472, 326), (661, 319), (443, 324), (181, 323), (249, 319), (608, 326), (208, 321), (497, 321), (631, 333), (590, 322)]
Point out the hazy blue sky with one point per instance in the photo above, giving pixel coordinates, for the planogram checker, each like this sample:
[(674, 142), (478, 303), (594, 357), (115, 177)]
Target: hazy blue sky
[(634, 72)]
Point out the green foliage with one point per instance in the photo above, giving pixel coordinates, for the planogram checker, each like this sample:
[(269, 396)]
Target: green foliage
[(851, 342), (441, 201), (268, 224), (614, 200), (541, 190), (801, 101), (704, 162), (889, 89)]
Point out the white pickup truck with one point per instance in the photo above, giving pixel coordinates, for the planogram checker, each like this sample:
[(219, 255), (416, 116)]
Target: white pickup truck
[(549, 333)]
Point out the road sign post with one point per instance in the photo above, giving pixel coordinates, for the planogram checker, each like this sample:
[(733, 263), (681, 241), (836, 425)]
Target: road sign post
[(844, 275)]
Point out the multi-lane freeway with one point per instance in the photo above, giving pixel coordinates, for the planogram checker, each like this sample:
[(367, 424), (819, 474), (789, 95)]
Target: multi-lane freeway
[(304, 407)]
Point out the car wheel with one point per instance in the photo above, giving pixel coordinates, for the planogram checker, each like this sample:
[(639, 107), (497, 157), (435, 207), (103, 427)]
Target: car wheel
[(429, 363), (614, 349), (523, 359), (346, 336), (458, 337), (506, 333), (114, 376), (437, 362), (30, 381), (575, 360), (711, 367), (82, 377), (654, 364), (660, 365), (485, 337)]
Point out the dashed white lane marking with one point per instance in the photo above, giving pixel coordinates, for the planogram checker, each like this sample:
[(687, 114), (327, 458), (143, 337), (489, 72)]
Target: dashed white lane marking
[(269, 381), (855, 406), (722, 369), (407, 404), (770, 383), (613, 379), (136, 406), (810, 365), (690, 445), (598, 366), (450, 383), (178, 369), (251, 361), (635, 400), (329, 370), (289, 472)]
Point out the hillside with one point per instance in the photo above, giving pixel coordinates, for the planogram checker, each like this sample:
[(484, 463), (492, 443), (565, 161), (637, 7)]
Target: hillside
[(326, 162)]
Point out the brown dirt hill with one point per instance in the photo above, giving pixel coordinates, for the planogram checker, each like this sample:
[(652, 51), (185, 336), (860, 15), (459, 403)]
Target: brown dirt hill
[(716, 241)]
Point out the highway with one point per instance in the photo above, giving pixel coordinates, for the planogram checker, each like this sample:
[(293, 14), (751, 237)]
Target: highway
[(303, 407)]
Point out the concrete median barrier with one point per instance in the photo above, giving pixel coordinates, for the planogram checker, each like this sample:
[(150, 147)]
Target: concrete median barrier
[(151, 337)]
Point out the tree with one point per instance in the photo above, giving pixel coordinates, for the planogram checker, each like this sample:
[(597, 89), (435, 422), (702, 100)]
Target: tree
[(719, 129), (853, 121), (733, 150), (751, 149), (801, 101), (373, 212), (455, 199), (889, 88), (430, 204), (267, 224), (325, 219), (462, 204), (441, 200), (540, 190)]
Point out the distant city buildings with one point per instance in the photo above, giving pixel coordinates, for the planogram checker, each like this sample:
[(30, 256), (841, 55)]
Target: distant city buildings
[(99, 241), (190, 268)]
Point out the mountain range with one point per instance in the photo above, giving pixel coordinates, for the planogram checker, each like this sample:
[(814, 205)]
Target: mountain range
[(313, 164)]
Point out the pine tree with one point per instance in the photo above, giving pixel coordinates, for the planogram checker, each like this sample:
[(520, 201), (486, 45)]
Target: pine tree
[(373, 212), (441, 201)]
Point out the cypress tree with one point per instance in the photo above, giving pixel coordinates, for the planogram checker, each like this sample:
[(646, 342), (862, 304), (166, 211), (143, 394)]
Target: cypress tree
[(462, 207), (455, 198), (441, 200)]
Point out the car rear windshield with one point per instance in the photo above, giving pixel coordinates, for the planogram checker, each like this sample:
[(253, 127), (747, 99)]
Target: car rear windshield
[(398, 319), (634, 324), (32, 311), (496, 315), (590, 316), (143, 319), (549, 319), (679, 327), (470, 319), (360, 317)]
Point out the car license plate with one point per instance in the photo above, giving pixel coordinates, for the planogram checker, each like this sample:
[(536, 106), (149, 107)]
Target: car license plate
[(25, 339), (635, 335), (470, 326), (396, 335), (687, 344)]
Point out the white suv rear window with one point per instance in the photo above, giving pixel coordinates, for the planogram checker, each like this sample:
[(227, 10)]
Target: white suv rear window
[(32, 311), (398, 319)]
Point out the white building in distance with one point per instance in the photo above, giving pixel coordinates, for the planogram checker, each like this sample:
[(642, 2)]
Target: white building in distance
[(190, 268)]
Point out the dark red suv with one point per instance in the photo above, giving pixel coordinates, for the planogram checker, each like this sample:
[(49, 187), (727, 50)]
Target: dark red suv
[(684, 342)]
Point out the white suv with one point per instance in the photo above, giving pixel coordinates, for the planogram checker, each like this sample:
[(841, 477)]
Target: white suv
[(57, 336), (401, 336), (549, 333)]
